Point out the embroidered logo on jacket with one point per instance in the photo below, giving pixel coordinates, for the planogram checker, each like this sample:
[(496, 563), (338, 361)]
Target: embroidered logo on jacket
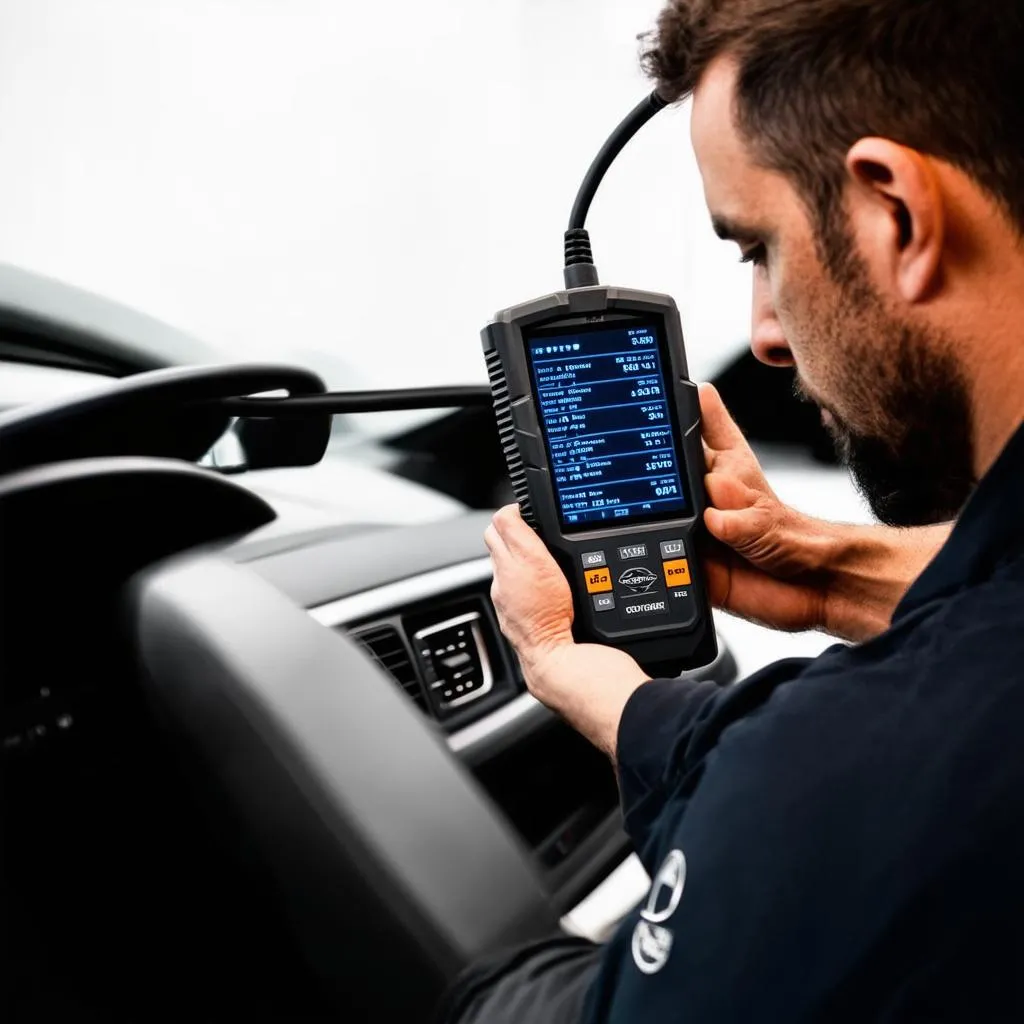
[(652, 941)]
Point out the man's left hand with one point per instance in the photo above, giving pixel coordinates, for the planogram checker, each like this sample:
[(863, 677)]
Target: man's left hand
[(587, 684), (529, 592)]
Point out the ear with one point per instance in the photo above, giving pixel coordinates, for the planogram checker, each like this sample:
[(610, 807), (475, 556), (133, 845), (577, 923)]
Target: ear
[(897, 190)]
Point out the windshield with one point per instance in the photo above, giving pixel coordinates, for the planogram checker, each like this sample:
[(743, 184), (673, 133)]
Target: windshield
[(352, 187)]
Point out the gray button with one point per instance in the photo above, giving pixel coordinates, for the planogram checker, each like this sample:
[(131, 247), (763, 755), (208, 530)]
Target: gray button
[(604, 602), (591, 559), (633, 551), (672, 549), (642, 609)]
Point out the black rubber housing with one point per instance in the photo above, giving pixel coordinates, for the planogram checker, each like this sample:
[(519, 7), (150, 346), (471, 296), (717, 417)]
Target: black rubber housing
[(519, 428)]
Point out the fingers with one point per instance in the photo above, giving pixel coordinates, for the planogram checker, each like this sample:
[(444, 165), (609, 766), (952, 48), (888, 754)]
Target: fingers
[(735, 516), (722, 526), (495, 544), (710, 456), (744, 530), (515, 535), (726, 491), (718, 427), (530, 594), (725, 448)]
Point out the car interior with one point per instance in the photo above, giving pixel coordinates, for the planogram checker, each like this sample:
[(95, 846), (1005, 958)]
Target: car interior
[(266, 754), (262, 771)]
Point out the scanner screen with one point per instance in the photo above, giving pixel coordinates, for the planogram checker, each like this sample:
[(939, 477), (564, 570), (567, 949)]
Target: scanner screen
[(608, 424)]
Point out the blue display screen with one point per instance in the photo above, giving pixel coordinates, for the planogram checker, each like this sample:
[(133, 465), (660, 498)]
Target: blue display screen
[(608, 425)]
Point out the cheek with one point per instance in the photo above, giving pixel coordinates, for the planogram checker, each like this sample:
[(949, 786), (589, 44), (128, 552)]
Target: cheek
[(811, 317), (794, 310)]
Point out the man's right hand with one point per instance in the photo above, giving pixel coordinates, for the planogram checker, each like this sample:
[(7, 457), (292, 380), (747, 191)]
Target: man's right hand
[(787, 570)]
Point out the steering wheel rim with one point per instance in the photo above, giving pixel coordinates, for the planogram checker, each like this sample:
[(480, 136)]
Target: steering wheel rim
[(389, 858), (391, 868)]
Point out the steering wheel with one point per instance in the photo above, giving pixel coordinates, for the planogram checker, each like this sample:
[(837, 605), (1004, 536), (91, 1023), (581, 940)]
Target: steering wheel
[(391, 867), (387, 854)]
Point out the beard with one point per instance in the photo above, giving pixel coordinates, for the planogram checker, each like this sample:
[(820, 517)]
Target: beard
[(911, 454)]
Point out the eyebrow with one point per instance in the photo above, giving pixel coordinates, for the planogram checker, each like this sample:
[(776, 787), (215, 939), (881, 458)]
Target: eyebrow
[(732, 231)]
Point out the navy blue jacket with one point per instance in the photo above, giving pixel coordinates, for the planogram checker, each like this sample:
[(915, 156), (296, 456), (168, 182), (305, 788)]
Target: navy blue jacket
[(836, 839)]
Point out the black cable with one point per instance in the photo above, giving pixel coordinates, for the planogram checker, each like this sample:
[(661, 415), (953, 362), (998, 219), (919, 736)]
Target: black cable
[(340, 402), (579, 273), (579, 259), (629, 126)]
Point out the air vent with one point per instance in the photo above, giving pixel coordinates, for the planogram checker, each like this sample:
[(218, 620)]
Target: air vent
[(455, 661), (388, 649)]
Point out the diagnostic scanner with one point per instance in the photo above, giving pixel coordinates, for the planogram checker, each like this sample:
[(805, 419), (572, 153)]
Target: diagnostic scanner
[(600, 427)]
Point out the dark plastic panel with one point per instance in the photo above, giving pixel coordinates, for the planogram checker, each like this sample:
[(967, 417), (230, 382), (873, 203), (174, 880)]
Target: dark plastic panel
[(331, 569), (385, 850)]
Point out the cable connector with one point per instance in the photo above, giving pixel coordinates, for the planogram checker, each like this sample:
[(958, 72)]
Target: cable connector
[(579, 271)]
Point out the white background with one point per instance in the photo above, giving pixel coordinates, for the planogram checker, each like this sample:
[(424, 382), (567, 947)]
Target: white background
[(367, 180), (370, 180)]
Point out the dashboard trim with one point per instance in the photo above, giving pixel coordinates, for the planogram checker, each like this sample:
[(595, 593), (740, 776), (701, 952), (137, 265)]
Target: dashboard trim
[(517, 713), (390, 596), (522, 713)]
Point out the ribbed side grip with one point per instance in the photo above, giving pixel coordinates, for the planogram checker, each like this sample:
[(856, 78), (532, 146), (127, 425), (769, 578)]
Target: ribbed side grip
[(507, 435)]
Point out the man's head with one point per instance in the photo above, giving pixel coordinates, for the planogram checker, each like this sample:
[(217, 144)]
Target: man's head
[(868, 157)]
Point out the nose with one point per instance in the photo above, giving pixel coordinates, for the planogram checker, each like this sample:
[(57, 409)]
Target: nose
[(767, 341)]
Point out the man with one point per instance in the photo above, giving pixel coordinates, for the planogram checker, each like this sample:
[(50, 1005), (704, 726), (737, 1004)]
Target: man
[(842, 838)]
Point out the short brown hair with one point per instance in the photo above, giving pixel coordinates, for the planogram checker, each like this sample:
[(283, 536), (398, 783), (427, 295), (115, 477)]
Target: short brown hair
[(945, 77)]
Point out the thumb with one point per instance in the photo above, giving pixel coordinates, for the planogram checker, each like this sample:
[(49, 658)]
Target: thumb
[(512, 529), (740, 529), (718, 427)]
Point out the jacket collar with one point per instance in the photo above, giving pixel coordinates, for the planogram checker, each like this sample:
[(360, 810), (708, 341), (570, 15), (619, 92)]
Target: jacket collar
[(989, 531)]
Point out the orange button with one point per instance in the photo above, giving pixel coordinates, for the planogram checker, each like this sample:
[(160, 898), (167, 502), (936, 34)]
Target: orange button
[(677, 572), (598, 580)]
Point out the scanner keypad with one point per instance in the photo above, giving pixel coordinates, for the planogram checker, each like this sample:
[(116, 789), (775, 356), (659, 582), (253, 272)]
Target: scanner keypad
[(646, 582)]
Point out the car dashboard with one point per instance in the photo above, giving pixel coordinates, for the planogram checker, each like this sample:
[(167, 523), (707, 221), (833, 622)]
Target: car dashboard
[(417, 599), (105, 822)]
